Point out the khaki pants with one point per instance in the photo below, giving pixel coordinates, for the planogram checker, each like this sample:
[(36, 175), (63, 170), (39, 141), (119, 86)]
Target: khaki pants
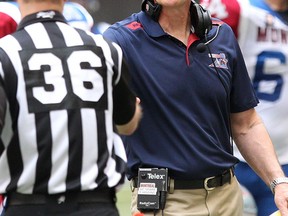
[(222, 201)]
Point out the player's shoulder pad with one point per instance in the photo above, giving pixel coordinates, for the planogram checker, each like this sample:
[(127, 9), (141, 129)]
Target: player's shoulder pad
[(11, 9)]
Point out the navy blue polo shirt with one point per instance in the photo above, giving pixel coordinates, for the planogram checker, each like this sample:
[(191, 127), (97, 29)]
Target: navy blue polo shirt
[(186, 101)]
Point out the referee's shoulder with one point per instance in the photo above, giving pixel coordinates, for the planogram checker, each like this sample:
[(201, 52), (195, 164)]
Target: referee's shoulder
[(96, 36), (100, 38)]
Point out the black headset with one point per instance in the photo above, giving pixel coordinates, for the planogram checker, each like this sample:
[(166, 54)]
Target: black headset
[(200, 17)]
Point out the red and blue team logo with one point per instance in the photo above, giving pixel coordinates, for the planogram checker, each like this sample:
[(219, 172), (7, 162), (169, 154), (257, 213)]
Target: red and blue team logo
[(219, 61)]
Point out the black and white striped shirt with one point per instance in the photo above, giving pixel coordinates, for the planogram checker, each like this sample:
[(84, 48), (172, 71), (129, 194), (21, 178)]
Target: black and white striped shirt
[(59, 84)]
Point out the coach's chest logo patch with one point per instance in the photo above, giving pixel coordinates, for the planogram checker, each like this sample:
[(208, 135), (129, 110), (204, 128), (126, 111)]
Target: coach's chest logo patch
[(219, 60)]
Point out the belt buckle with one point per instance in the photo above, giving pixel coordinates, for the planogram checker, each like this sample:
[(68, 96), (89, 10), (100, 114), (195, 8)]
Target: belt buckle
[(206, 184)]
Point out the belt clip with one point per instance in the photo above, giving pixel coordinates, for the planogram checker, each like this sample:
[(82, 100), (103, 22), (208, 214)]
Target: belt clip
[(132, 185), (170, 185), (206, 184)]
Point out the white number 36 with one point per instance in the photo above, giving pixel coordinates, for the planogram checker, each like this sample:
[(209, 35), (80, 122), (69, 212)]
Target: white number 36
[(55, 77)]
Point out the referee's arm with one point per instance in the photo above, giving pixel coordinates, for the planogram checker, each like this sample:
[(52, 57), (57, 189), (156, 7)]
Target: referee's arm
[(2, 107), (131, 126), (127, 111)]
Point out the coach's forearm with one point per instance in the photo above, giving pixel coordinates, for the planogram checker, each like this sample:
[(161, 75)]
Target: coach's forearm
[(256, 147)]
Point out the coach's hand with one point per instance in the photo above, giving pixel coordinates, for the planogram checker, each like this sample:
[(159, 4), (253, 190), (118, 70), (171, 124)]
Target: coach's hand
[(281, 198)]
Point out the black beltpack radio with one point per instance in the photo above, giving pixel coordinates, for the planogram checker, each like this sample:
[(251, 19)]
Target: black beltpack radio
[(152, 188)]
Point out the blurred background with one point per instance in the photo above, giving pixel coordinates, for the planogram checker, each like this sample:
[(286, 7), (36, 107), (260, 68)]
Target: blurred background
[(110, 11)]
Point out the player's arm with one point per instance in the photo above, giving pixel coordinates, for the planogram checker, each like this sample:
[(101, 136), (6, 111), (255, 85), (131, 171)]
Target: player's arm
[(127, 111)]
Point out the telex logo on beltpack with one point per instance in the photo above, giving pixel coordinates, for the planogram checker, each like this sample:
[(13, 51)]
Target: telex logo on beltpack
[(155, 176), (152, 182)]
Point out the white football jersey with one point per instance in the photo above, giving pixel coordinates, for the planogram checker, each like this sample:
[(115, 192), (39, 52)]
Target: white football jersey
[(11, 8), (78, 16), (263, 37)]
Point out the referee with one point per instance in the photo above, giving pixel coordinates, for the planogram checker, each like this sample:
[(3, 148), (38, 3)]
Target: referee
[(63, 97)]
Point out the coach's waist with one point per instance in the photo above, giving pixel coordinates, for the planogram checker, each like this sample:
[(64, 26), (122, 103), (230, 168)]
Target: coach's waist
[(98, 195), (208, 183)]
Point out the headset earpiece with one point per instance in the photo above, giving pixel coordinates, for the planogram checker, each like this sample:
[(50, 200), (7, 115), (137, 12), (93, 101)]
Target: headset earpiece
[(152, 9), (200, 19)]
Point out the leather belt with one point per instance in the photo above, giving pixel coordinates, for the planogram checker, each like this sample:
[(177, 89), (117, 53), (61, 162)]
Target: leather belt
[(99, 195), (208, 183)]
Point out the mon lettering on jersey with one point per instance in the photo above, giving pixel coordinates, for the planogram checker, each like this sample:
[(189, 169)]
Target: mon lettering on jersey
[(262, 33)]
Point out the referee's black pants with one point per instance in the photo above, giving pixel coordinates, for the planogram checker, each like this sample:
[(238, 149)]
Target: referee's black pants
[(91, 209), (88, 203)]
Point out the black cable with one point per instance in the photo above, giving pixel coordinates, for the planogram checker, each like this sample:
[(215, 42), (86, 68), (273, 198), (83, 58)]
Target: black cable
[(227, 94)]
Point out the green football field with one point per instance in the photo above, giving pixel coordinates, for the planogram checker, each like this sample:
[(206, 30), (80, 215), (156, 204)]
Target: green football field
[(123, 200)]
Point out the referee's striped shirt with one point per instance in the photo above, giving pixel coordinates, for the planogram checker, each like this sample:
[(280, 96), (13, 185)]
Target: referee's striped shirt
[(59, 84)]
